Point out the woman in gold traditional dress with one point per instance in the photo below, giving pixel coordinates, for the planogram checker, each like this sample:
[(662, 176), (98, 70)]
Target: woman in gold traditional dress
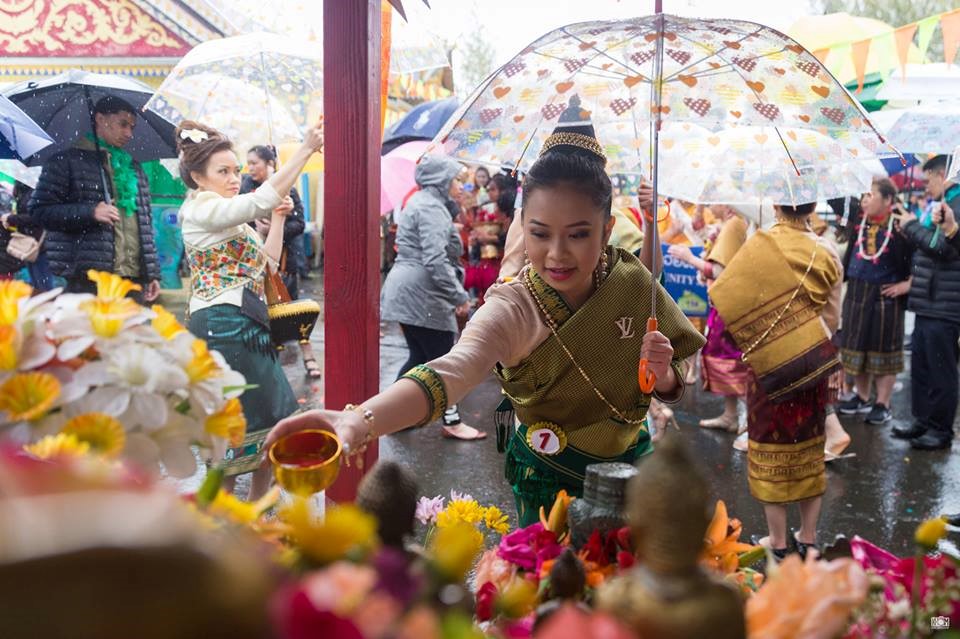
[(563, 338), (780, 299)]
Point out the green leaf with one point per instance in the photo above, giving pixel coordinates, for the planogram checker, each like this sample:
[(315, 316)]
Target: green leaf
[(752, 557), (183, 407), (239, 387), (210, 487)]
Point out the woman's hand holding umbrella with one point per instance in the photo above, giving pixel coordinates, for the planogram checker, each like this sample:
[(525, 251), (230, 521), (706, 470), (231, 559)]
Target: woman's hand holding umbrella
[(657, 351)]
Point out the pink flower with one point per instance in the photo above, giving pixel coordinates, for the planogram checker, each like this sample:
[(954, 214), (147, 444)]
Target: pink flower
[(899, 571), (428, 509), (529, 547)]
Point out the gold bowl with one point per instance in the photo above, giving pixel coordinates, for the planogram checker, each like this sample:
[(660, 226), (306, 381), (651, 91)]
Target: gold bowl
[(307, 461)]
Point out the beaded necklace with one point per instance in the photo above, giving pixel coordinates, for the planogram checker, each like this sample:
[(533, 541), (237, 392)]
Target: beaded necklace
[(552, 325), (883, 247)]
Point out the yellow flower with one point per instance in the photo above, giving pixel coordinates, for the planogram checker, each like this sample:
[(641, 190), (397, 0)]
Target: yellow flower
[(345, 531), (102, 432), (110, 287), (11, 292), (454, 548), (108, 316), (518, 599), (202, 367), (165, 323), (226, 505), (930, 532), (28, 396), (59, 445), (8, 347), (495, 520), (228, 423), (460, 510)]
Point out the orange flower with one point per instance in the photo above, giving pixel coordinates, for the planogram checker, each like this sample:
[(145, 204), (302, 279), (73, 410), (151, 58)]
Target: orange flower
[(165, 323), (721, 548), (202, 367), (557, 520), (28, 396), (107, 317), (110, 287), (812, 600), (8, 348), (11, 292), (229, 423)]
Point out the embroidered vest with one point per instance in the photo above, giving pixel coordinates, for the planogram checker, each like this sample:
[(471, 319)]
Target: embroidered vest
[(232, 263)]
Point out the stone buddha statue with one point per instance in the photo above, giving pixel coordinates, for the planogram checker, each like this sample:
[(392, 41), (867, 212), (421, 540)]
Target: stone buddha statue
[(668, 595)]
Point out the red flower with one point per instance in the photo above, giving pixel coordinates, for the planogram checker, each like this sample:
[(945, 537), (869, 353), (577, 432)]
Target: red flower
[(485, 598), (593, 550), (298, 618), (625, 560)]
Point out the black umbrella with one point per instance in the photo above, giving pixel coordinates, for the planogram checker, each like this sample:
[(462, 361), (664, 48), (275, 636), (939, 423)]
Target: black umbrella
[(63, 107)]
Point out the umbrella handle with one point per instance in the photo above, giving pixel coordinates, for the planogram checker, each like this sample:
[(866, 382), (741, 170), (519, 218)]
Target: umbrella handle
[(647, 379)]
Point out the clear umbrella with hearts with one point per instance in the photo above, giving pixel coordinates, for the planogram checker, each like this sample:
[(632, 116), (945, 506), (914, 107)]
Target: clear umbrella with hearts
[(715, 77), (256, 88), (744, 108)]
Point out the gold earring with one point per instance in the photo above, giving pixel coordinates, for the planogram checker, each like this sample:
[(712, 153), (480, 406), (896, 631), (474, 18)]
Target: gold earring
[(526, 258), (600, 273)]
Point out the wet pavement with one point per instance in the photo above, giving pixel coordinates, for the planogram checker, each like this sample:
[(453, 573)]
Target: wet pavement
[(881, 494)]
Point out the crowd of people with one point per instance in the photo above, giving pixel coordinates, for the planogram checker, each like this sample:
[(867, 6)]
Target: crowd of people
[(515, 274)]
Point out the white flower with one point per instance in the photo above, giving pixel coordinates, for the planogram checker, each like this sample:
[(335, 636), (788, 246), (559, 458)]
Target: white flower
[(208, 392), (194, 135), (77, 326), (133, 384)]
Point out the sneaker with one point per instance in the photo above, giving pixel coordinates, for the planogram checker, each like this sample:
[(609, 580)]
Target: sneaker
[(879, 414), (855, 406)]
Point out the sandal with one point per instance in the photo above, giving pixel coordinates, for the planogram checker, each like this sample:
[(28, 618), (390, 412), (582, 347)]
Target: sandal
[(801, 548), (313, 372), (778, 553)]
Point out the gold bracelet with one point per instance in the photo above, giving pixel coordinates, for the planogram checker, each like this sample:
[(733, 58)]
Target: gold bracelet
[(368, 418)]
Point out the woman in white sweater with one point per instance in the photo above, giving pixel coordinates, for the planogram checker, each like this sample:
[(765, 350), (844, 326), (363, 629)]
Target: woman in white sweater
[(228, 261)]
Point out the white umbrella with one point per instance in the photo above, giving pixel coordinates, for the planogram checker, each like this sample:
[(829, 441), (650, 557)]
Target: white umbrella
[(258, 88)]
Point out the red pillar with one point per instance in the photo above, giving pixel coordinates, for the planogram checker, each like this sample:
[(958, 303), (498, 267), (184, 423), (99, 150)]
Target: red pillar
[(351, 281)]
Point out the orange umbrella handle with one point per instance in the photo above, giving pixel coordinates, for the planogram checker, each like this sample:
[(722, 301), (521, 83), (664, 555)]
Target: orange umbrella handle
[(647, 379)]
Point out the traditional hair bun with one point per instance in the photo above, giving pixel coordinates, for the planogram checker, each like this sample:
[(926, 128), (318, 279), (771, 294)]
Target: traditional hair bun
[(195, 144), (190, 133)]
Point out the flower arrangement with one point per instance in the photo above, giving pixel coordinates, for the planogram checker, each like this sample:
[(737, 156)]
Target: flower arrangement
[(437, 515), (100, 374), (907, 592), (528, 555)]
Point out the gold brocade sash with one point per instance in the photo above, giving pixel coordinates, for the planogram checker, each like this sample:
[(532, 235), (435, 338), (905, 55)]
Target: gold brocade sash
[(604, 336), (770, 312)]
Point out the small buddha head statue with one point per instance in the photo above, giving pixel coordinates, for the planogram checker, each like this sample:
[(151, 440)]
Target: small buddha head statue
[(389, 492), (667, 509)]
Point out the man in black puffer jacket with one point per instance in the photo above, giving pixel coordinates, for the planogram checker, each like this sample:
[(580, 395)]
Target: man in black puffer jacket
[(85, 232), (935, 298)]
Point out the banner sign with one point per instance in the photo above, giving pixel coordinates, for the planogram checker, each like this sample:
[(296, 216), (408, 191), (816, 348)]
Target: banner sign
[(682, 284)]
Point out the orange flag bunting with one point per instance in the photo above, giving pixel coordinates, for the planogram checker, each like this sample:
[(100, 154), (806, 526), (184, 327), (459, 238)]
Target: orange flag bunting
[(950, 23), (860, 51), (904, 37)]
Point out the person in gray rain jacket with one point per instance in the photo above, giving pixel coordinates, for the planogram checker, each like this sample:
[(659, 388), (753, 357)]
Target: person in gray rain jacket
[(424, 290)]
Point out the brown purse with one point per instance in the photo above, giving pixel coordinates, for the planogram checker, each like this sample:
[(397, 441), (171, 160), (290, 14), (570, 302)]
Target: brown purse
[(290, 320)]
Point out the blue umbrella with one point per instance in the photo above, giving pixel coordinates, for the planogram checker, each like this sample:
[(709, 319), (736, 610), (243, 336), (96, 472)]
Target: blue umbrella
[(63, 107), (422, 123), (20, 137)]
